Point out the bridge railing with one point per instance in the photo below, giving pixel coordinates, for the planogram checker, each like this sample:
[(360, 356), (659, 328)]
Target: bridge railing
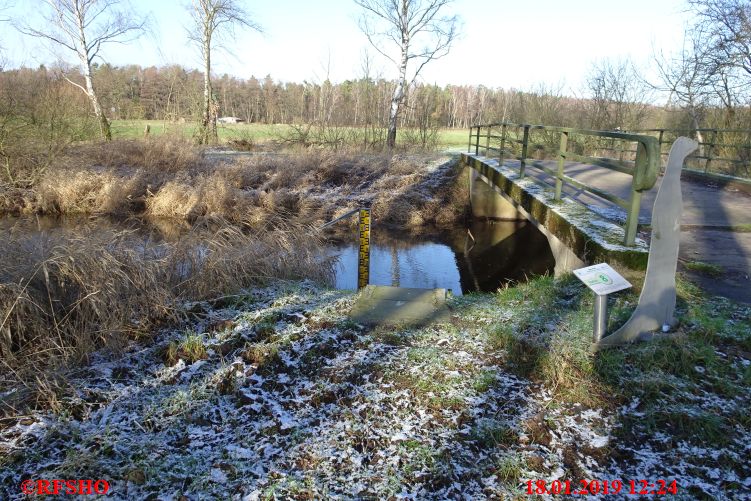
[(531, 144), (721, 151)]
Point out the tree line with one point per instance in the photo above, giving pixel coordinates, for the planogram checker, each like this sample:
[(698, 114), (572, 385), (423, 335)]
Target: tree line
[(707, 82)]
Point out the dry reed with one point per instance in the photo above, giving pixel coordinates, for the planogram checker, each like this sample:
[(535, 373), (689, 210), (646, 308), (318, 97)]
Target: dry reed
[(63, 297), (169, 178)]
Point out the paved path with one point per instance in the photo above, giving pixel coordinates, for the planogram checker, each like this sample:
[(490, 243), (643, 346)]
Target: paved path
[(709, 212)]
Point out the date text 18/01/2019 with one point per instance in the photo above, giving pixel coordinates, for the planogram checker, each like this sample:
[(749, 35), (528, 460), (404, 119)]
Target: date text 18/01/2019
[(592, 487)]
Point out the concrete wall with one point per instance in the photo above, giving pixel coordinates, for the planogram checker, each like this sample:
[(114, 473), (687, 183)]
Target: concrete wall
[(486, 202), (491, 202)]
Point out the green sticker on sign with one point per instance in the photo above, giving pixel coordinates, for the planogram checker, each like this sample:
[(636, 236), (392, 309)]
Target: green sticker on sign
[(602, 279)]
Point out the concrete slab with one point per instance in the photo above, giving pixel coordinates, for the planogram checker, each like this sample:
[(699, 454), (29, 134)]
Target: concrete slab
[(402, 306)]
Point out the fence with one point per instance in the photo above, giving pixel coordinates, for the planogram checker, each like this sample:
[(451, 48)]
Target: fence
[(639, 157), (721, 151)]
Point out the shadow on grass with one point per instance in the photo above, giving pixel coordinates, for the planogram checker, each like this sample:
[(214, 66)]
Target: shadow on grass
[(676, 400), (294, 400)]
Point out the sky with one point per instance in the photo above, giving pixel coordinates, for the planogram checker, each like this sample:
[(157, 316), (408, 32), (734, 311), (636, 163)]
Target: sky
[(519, 44)]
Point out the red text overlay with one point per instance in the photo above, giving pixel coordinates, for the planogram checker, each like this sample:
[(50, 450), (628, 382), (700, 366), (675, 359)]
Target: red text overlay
[(57, 486)]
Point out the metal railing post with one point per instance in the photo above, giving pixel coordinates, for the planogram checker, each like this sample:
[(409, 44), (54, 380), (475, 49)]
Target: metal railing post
[(709, 151), (632, 219), (525, 141), (561, 160), (503, 143)]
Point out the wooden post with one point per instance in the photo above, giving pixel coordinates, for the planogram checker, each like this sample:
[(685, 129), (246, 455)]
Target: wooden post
[(525, 141), (469, 146), (477, 142), (561, 160), (147, 130), (487, 140), (363, 259)]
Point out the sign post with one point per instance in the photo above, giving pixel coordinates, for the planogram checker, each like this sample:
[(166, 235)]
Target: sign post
[(602, 280), (363, 256)]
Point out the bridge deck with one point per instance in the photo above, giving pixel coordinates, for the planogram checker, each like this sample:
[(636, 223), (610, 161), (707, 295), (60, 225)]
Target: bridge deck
[(709, 212), (704, 203)]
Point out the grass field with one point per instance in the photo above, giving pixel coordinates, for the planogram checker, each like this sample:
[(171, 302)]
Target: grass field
[(258, 133)]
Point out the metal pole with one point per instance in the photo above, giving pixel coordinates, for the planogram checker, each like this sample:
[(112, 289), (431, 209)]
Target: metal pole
[(503, 143), (363, 257), (601, 317), (561, 160), (632, 218), (525, 142)]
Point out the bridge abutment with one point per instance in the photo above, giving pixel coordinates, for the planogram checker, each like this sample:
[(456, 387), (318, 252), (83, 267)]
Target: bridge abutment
[(486, 202), (491, 202)]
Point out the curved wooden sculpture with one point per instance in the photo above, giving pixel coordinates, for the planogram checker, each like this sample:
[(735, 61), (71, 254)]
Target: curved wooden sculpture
[(657, 300)]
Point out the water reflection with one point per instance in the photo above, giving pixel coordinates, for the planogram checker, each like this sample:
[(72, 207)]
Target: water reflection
[(483, 257)]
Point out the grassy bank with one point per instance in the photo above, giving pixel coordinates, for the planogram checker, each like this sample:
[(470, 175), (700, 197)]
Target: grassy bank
[(169, 177), (279, 395), (260, 134)]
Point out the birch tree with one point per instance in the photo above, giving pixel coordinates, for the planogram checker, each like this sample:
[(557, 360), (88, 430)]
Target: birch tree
[(213, 19), (410, 34), (84, 27)]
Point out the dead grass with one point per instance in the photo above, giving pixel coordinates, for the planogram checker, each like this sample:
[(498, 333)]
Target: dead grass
[(63, 297), (168, 177)]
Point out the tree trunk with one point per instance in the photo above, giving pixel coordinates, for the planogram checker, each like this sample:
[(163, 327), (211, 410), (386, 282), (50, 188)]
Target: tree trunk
[(398, 97), (208, 133), (104, 125)]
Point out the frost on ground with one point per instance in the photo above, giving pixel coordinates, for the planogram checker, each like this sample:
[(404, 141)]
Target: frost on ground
[(292, 400)]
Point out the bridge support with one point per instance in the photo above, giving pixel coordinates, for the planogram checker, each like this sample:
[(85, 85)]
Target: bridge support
[(486, 202), (565, 259)]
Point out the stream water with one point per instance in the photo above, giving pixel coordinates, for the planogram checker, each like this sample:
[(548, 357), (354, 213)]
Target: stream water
[(482, 257)]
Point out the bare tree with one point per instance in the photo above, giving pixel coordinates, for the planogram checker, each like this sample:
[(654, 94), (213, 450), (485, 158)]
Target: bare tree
[(211, 20), (617, 96), (3, 19), (687, 78), (84, 27), (727, 28), (413, 29)]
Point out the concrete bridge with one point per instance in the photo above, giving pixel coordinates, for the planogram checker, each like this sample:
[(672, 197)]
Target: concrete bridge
[(591, 193)]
